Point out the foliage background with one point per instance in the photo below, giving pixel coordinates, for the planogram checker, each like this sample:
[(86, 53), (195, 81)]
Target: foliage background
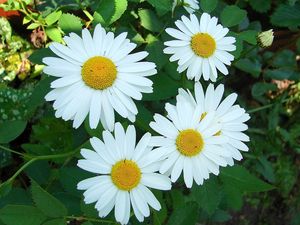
[(38, 152)]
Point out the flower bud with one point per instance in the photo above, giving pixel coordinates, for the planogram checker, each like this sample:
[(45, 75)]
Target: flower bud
[(265, 39)]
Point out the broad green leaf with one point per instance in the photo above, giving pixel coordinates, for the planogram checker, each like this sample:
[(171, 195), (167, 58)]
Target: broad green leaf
[(240, 177), (233, 196), (208, 195), (208, 5), (284, 58), (33, 26), (39, 171), (54, 34), (144, 117), (16, 196), (37, 56), (187, 215), (10, 130), (21, 215), (252, 66), (282, 73), (56, 222), (232, 15), (163, 88), (70, 23), (260, 88), (260, 6), (249, 36), (221, 216), (149, 20), (286, 16), (53, 17), (5, 188), (109, 11), (161, 6), (48, 204), (154, 48)]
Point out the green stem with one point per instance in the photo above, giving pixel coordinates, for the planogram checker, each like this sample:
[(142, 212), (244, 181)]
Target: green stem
[(265, 107), (80, 218), (11, 179), (246, 53), (12, 151)]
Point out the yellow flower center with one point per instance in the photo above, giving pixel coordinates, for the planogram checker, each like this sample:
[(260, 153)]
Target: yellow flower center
[(126, 175), (99, 72), (203, 45), (189, 142)]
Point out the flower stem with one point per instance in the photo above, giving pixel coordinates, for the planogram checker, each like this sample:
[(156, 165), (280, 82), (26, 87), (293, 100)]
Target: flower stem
[(265, 107), (80, 218)]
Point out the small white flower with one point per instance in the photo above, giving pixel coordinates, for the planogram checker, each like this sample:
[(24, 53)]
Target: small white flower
[(97, 76), (230, 118), (126, 172), (189, 143), (191, 5), (201, 47)]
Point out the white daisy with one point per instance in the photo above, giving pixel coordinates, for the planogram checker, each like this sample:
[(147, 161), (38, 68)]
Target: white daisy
[(97, 75), (126, 171), (191, 5), (231, 118), (201, 47), (188, 143)]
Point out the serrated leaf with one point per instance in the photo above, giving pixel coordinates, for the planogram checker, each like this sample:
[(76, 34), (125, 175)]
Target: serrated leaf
[(232, 15), (48, 204), (10, 130), (70, 23), (286, 16), (260, 6), (149, 20), (207, 196), (21, 215), (208, 5), (53, 17), (240, 177), (54, 34), (109, 11)]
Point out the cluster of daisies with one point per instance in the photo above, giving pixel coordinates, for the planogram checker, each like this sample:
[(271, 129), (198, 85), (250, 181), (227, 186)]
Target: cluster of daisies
[(98, 75)]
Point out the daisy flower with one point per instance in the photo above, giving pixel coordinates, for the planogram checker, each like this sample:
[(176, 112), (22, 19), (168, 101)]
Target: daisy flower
[(188, 143), (97, 75), (190, 5), (201, 47), (230, 118), (126, 171)]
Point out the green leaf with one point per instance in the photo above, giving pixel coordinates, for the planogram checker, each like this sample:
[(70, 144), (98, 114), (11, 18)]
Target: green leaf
[(5, 159), (149, 20), (17, 196), (252, 66), (144, 117), (232, 15), (286, 16), (21, 215), (33, 26), (260, 6), (10, 130), (38, 55), (163, 88), (48, 204), (208, 5), (249, 36), (220, 216), (156, 54), (109, 11), (70, 23), (187, 215), (285, 58), (39, 171), (260, 88), (208, 195), (53, 17), (233, 196), (240, 177), (161, 6), (5, 188), (281, 74), (56, 222), (54, 34)]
